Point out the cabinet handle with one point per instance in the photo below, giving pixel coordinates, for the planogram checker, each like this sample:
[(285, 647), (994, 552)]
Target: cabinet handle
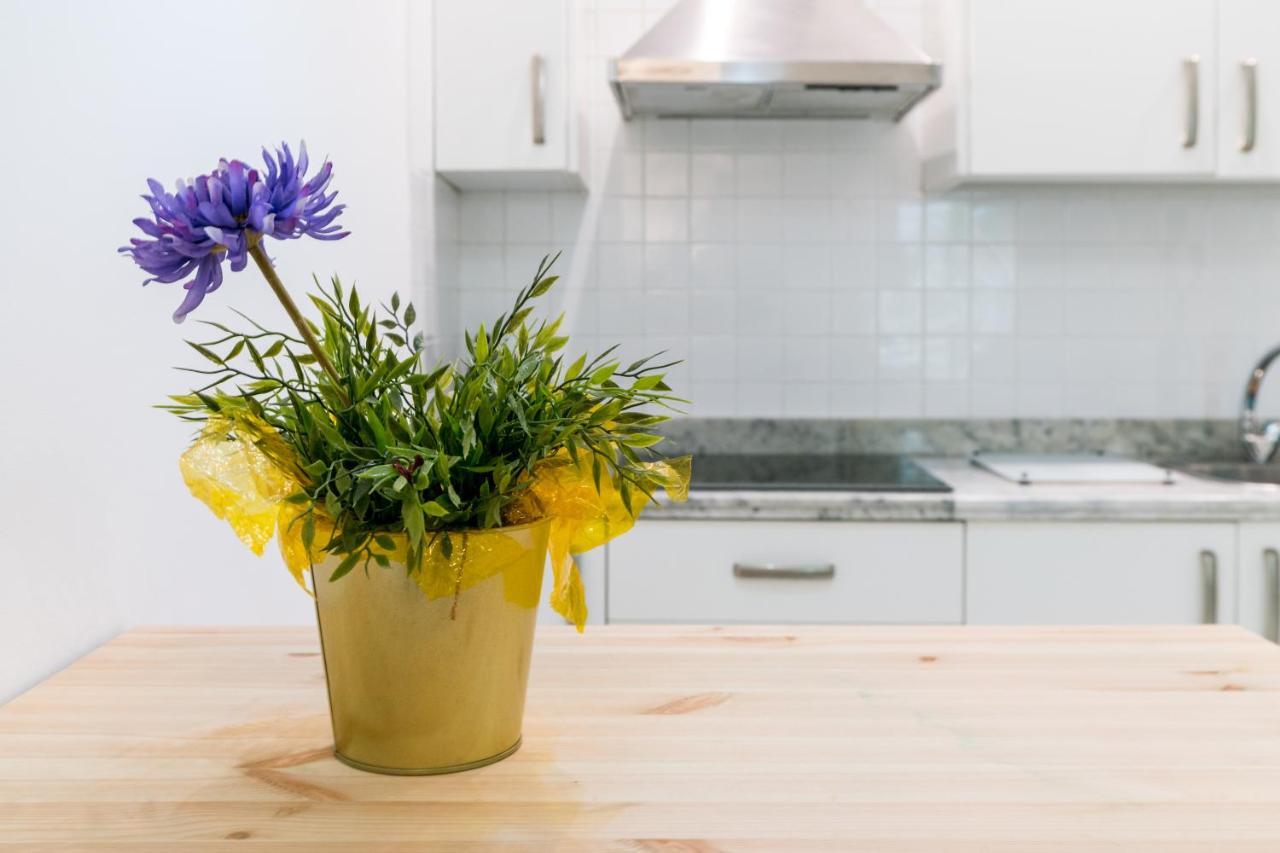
[(1249, 68), (1191, 76), (538, 81), (1271, 557), (807, 571), (1209, 575)]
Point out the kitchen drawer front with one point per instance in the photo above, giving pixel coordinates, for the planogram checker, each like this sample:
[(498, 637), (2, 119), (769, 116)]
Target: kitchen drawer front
[(1098, 573), (684, 571)]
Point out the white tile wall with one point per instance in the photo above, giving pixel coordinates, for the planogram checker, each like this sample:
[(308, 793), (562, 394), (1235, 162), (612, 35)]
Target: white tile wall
[(798, 270)]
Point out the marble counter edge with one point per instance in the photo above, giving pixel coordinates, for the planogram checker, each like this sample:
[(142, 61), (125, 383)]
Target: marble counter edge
[(979, 496)]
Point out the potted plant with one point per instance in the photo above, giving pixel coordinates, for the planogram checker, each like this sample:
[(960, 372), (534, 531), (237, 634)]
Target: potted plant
[(417, 503)]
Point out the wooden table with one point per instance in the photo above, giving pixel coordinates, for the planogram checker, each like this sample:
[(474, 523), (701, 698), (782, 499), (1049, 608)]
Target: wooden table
[(675, 739)]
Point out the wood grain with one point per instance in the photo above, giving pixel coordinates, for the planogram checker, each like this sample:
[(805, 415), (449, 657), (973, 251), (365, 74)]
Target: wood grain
[(678, 739)]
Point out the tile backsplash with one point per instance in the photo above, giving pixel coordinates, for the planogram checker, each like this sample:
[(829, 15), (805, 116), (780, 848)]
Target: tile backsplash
[(799, 270)]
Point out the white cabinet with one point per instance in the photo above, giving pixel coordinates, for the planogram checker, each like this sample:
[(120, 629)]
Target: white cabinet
[(1249, 89), (782, 571), (506, 110), (1089, 90), (1100, 573), (1259, 596), (1016, 573)]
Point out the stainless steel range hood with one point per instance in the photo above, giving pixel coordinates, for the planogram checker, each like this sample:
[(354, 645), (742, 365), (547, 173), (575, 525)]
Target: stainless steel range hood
[(772, 59)]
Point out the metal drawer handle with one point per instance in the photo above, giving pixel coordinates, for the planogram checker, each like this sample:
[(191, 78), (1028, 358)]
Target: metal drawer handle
[(1209, 575), (809, 571), (538, 80), (1271, 557), (1249, 67), (1191, 76)]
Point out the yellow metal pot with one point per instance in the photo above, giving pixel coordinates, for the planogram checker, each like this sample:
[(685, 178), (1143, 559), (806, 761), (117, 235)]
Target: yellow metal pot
[(433, 683)]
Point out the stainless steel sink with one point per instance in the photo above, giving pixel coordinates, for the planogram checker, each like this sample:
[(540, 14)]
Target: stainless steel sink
[(1233, 472)]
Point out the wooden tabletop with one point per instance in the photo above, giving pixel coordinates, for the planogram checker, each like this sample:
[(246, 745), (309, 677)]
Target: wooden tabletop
[(675, 739)]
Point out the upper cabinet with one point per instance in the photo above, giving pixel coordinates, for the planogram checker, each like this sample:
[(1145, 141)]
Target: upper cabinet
[(506, 106), (1095, 90), (1249, 89)]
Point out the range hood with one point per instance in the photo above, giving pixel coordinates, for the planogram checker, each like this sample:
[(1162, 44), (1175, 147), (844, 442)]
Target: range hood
[(772, 59)]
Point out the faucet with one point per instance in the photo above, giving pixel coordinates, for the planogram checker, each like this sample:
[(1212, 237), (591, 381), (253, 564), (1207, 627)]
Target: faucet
[(1260, 440)]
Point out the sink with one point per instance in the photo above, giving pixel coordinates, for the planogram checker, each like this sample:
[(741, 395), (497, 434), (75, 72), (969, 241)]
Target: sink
[(1234, 472)]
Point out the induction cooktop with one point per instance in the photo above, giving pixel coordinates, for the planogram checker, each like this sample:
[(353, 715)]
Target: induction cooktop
[(818, 472)]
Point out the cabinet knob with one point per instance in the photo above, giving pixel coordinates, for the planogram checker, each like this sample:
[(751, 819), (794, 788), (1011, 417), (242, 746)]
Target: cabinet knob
[(1191, 78), (1249, 70), (1271, 558), (1209, 576), (810, 571), (538, 81)]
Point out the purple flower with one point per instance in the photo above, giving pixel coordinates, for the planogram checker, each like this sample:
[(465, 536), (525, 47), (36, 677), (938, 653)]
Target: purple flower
[(224, 214), (294, 208)]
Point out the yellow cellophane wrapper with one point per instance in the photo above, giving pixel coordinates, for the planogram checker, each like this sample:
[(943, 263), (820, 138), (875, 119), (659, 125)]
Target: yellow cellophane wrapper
[(232, 476), (241, 470), (583, 517)]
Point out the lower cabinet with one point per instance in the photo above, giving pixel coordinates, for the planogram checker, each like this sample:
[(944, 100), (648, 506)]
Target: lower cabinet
[(983, 573), (784, 571), (1259, 585), (1100, 573)]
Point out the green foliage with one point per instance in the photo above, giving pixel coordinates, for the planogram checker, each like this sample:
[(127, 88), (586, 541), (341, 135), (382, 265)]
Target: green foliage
[(391, 446)]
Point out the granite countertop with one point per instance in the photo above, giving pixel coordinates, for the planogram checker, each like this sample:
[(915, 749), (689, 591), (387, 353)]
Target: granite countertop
[(981, 496)]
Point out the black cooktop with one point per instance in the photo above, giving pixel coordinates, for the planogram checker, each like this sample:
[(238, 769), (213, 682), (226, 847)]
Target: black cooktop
[(799, 472)]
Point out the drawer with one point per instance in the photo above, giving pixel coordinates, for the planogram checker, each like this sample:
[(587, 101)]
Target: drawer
[(684, 571), (1100, 573)]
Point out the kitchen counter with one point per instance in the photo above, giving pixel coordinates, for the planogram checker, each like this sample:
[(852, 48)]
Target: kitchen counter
[(688, 738), (978, 495)]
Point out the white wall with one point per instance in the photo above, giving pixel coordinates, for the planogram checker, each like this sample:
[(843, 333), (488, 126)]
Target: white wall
[(98, 531), (800, 271)]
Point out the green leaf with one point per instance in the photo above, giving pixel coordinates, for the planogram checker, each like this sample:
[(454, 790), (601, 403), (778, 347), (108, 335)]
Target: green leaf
[(348, 563), (544, 285), (206, 352), (641, 439), (308, 531), (411, 513), (210, 403), (256, 357)]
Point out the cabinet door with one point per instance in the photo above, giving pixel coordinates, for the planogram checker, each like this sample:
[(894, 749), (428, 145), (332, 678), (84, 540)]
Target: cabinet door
[(1249, 89), (1260, 579), (1100, 574), (786, 572), (490, 97), (1091, 88)]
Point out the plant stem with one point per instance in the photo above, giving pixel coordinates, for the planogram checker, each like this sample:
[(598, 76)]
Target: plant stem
[(291, 308)]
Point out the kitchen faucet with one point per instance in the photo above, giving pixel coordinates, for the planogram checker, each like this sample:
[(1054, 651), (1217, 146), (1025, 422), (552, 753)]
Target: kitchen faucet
[(1260, 440)]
